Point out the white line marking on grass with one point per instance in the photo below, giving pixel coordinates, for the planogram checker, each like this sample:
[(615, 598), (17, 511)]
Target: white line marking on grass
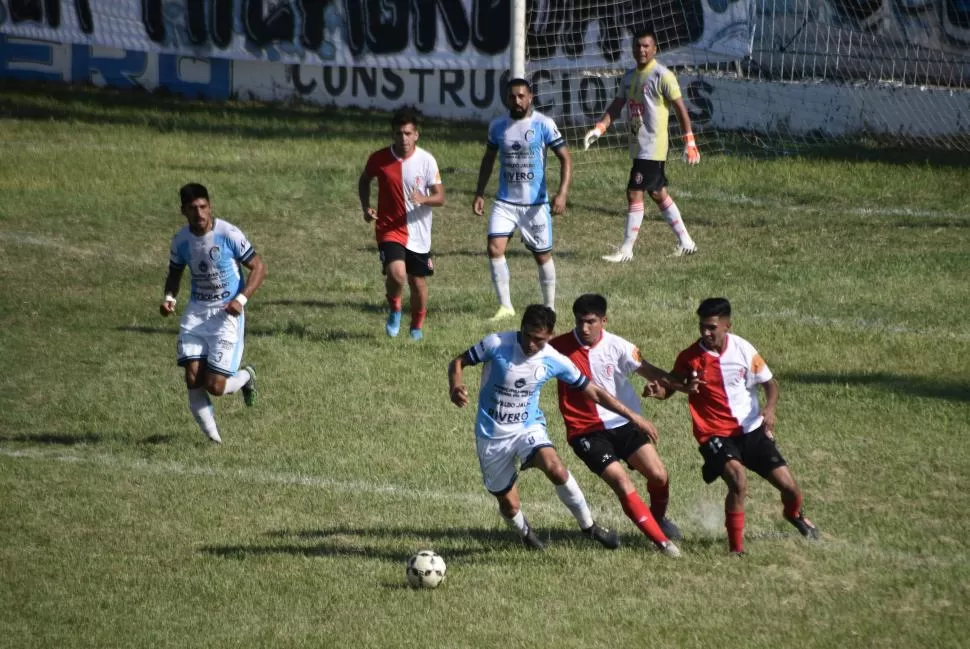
[(26, 239)]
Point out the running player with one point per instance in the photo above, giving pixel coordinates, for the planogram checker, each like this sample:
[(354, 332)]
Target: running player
[(510, 425), (601, 438), (210, 341), (520, 140), (729, 424), (408, 186), (648, 91)]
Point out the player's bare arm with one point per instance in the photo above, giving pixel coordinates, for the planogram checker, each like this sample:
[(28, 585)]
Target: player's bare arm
[(172, 282), (565, 178), (484, 173), (456, 388), (771, 401), (691, 154), (436, 198), (257, 273), (363, 191), (612, 112), (608, 401), (669, 382)]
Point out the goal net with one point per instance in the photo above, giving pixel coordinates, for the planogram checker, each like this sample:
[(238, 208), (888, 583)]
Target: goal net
[(777, 74)]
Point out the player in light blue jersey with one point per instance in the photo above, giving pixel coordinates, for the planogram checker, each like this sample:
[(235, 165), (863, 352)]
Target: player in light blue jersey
[(210, 341), (510, 426), (519, 140)]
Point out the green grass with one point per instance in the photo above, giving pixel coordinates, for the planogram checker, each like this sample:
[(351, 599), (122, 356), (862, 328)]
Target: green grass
[(121, 527)]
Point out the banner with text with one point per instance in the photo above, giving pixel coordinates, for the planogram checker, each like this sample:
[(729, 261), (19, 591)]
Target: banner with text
[(427, 34)]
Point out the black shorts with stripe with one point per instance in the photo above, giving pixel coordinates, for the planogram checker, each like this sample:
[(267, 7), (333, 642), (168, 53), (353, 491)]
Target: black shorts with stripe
[(415, 263), (755, 450), (601, 448), (647, 176)]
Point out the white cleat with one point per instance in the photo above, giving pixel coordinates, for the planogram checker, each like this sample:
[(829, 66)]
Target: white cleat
[(621, 255), (668, 549), (683, 251)]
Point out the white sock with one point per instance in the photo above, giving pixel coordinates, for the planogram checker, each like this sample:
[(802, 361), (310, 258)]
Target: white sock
[(500, 280), (572, 497), (517, 523), (547, 282), (634, 218), (668, 210), (233, 383), (201, 409)]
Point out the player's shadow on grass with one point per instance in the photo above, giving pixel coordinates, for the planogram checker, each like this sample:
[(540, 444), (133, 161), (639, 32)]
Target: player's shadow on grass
[(397, 544), (292, 329), (919, 386), (59, 439)]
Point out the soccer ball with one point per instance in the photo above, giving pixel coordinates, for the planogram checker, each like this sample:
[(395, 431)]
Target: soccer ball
[(425, 570)]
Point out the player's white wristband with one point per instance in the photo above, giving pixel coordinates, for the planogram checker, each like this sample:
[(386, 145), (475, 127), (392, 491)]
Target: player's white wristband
[(169, 299), (242, 299)]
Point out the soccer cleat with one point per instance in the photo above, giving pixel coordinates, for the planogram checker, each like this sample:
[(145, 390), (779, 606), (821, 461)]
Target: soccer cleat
[(502, 313), (249, 390), (668, 549), (804, 526), (683, 251), (393, 326), (621, 255), (605, 537), (531, 541), (670, 529), (417, 334)]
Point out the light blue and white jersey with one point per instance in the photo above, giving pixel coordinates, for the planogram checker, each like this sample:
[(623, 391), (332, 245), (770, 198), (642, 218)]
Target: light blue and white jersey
[(521, 146), (213, 260), (508, 399)]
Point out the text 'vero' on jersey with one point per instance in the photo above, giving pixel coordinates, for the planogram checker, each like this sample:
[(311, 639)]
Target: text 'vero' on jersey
[(521, 145), (607, 364), (727, 404), (213, 260), (508, 398)]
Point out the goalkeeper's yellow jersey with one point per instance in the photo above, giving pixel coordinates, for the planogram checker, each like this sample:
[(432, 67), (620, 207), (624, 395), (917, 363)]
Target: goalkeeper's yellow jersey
[(648, 94)]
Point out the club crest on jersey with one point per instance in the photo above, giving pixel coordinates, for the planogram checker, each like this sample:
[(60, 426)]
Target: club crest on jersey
[(530, 135), (540, 372), (608, 370), (215, 253)]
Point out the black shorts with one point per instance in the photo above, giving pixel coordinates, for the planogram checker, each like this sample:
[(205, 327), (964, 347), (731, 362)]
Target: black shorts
[(415, 263), (647, 176), (755, 450), (602, 448)]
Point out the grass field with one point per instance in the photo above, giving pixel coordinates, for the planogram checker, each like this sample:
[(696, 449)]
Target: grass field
[(121, 527)]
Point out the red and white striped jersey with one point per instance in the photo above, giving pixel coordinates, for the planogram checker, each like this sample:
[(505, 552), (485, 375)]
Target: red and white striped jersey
[(607, 364), (398, 219), (727, 404)]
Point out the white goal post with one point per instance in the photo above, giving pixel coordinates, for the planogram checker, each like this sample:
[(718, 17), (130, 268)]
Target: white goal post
[(777, 74)]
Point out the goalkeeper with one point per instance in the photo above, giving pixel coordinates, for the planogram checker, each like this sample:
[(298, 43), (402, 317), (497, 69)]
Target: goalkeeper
[(648, 91)]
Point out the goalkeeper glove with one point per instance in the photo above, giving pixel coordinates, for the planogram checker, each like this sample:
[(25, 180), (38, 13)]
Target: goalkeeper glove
[(691, 154), (593, 135)]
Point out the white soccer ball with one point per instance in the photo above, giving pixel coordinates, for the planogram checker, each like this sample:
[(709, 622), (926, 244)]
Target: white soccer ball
[(426, 569)]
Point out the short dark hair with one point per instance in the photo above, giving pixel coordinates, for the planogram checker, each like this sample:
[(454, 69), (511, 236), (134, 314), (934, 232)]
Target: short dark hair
[(404, 116), (192, 191), (538, 316), (590, 303), (714, 306), (643, 33), (519, 81)]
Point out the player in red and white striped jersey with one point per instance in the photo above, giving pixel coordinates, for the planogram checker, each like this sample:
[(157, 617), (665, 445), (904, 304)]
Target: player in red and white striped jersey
[(729, 424), (600, 437), (409, 185)]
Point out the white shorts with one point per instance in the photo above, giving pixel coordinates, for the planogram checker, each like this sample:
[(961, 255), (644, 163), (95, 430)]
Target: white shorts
[(497, 457), (533, 221), (213, 335)]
